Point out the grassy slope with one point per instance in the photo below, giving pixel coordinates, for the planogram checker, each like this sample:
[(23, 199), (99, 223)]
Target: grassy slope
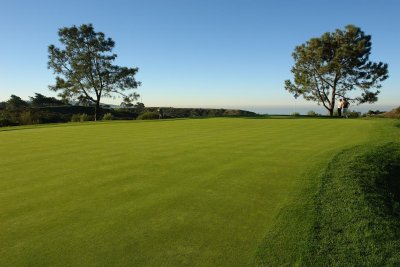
[(358, 212), (295, 237), (185, 192)]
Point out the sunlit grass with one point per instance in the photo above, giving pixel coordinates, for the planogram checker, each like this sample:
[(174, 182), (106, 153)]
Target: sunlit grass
[(162, 193)]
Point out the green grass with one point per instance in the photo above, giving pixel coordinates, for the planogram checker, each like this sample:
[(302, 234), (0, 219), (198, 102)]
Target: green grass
[(358, 209), (166, 193)]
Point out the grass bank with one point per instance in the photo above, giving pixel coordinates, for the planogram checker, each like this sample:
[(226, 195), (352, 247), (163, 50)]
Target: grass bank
[(358, 209), (346, 215)]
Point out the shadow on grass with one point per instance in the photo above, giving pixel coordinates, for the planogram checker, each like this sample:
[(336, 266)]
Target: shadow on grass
[(393, 180)]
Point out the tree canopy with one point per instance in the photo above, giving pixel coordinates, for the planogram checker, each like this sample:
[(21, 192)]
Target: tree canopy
[(15, 103), (337, 65), (84, 67), (40, 100)]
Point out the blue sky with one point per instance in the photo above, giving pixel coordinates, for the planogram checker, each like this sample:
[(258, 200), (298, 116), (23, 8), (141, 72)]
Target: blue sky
[(194, 53)]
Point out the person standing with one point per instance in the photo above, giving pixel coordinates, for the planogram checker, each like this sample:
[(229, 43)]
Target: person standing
[(160, 113), (346, 105), (339, 107)]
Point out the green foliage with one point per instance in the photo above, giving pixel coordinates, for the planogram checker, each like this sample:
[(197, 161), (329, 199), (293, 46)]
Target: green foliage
[(373, 113), (80, 117), (84, 117), (40, 100), (358, 212), (85, 70), (194, 113), (108, 117), (334, 64), (149, 115), (200, 112), (394, 113), (76, 118), (312, 113), (64, 113), (128, 104), (139, 107), (353, 114), (26, 118), (295, 114), (5, 120), (16, 103), (215, 112)]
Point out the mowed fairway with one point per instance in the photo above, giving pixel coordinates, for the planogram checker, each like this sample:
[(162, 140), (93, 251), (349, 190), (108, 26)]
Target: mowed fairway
[(165, 193)]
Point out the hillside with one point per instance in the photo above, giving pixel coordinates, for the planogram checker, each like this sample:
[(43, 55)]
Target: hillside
[(394, 113)]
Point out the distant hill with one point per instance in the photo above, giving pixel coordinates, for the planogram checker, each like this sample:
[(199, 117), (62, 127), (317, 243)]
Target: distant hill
[(394, 113)]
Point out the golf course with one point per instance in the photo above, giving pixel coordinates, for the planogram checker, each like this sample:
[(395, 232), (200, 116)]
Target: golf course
[(185, 192)]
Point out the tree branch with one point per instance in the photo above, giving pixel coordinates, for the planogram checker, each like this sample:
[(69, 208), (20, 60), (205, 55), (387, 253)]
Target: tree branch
[(319, 93)]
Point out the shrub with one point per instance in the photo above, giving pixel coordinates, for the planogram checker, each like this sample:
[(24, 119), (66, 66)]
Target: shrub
[(295, 114), (76, 118), (353, 114), (26, 118), (80, 117), (5, 120), (84, 117), (394, 113), (312, 113), (149, 115), (108, 117), (44, 116), (194, 113)]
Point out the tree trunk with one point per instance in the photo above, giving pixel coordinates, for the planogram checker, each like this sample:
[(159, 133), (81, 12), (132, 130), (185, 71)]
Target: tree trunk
[(331, 110), (333, 97), (96, 110)]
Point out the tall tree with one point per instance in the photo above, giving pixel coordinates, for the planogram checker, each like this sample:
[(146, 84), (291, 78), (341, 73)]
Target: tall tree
[(337, 65), (15, 103), (40, 100), (84, 67)]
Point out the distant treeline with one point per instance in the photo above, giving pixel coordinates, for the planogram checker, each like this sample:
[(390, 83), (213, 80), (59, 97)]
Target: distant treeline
[(41, 109), (55, 114)]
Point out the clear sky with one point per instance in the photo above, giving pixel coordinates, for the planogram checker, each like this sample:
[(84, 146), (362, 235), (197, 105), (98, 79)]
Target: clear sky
[(203, 53)]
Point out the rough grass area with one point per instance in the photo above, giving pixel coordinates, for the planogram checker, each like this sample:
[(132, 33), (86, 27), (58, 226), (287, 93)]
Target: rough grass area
[(287, 241), (165, 193), (358, 209), (308, 229)]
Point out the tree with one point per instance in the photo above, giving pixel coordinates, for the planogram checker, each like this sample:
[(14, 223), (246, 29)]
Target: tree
[(84, 67), (337, 65), (15, 103), (40, 100), (139, 107)]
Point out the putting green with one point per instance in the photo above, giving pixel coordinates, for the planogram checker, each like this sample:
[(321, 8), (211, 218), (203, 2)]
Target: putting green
[(199, 192)]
